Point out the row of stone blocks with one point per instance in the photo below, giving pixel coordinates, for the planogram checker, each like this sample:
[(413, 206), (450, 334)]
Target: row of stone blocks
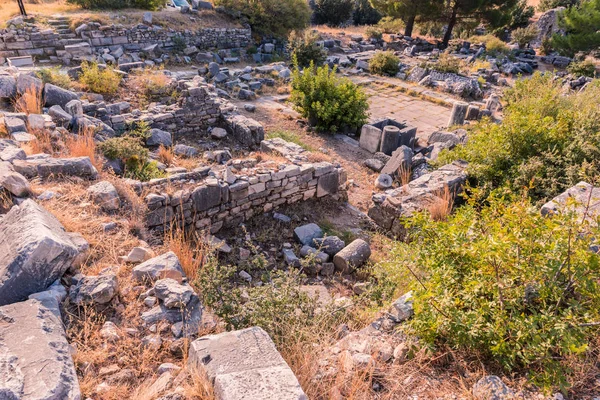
[(386, 136)]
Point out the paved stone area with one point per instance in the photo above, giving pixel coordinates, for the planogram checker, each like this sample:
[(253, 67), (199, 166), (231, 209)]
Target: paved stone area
[(389, 101)]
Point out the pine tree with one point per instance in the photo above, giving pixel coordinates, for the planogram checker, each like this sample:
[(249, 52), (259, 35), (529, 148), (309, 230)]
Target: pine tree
[(582, 29), (407, 10)]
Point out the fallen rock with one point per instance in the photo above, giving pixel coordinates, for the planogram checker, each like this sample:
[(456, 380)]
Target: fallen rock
[(245, 364), (12, 181), (94, 289), (352, 256), (305, 234), (54, 95), (159, 137), (105, 195), (35, 357), (35, 251), (492, 388), (158, 267), (138, 255), (384, 181), (330, 244), (172, 293)]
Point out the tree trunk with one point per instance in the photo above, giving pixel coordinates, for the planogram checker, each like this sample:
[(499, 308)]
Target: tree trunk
[(451, 25), (410, 24), (22, 8)]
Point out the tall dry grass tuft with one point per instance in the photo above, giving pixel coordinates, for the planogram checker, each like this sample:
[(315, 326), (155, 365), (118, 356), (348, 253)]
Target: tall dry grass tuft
[(200, 387), (404, 174), (30, 102), (41, 144), (84, 145), (166, 155), (441, 204), (3, 130), (192, 252)]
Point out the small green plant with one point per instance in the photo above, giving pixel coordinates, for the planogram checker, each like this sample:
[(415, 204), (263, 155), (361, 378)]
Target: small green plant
[(384, 63), (328, 102), (524, 36), (493, 45), (95, 79), (374, 33), (290, 136), (130, 150), (446, 63), (54, 76), (508, 284), (304, 49), (582, 68), (179, 43), (391, 25)]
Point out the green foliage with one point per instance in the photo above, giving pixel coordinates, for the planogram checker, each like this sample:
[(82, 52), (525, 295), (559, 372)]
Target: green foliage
[(333, 12), (271, 17), (523, 36), (384, 63), (493, 45), (129, 148), (364, 13), (582, 68), (546, 5), (408, 11), (506, 283), (99, 80), (54, 76), (580, 25), (520, 15), (115, 4), (304, 49), (374, 33), (548, 141), (391, 25), (328, 102), (179, 43), (446, 63)]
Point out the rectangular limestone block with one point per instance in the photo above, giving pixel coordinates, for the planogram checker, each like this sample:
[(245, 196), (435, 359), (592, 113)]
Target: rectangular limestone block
[(246, 365), (370, 138)]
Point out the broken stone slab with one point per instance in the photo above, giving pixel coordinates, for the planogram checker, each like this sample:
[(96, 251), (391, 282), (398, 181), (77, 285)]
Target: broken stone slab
[(330, 244), (491, 387), (305, 234), (47, 166), (35, 251), (159, 137), (290, 258), (245, 364), (370, 138), (390, 207), (35, 357), (401, 160), (12, 181), (163, 266), (458, 114), (12, 153), (27, 83), (23, 61), (319, 256), (105, 195), (99, 289), (582, 199), (328, 184), (8, 87), (374, 164), (352, 256), (54, 95), (189, 316), (172, 293)]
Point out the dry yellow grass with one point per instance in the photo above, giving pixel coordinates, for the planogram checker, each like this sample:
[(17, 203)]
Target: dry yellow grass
[(404, 174), (441, 204), (9, 9), (30, 102), (166, 155), (41, 144), (83, 145)]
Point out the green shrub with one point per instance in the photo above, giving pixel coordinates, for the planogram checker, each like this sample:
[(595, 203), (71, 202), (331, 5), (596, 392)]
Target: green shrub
[(304, 49), (580, 25), (99, 80), (333, 12), (582, 68), (271, 17), (179, 43), (524, 36), (114, 4), (547, 141), (391, 25), (493, 45), (374, 33), (328, 102), (364, 13), (384, 63), (502, 282), (520, 15), (129, 148), (54, 76), (446, 63)]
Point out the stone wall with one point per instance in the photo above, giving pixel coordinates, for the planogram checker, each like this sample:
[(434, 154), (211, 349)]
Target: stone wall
[(62, 45), (225, 199)]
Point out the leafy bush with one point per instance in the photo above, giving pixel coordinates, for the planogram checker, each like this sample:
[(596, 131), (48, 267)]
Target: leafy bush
[(580, 25), (524, 36), (54, 76), (374, 33), (391, 25), (582, 68), (99, 80), (506, 283), (520, 15), (364, 13), (547, 141), (333, 12), (271, 17), (304, 49), (546, 5), (493, 45), (330, 103), (129, 148), (446, 63), (114, 4), (384, 63), (179, 43)]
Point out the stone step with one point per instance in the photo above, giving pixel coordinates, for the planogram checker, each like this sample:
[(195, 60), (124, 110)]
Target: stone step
[(64, 31)]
